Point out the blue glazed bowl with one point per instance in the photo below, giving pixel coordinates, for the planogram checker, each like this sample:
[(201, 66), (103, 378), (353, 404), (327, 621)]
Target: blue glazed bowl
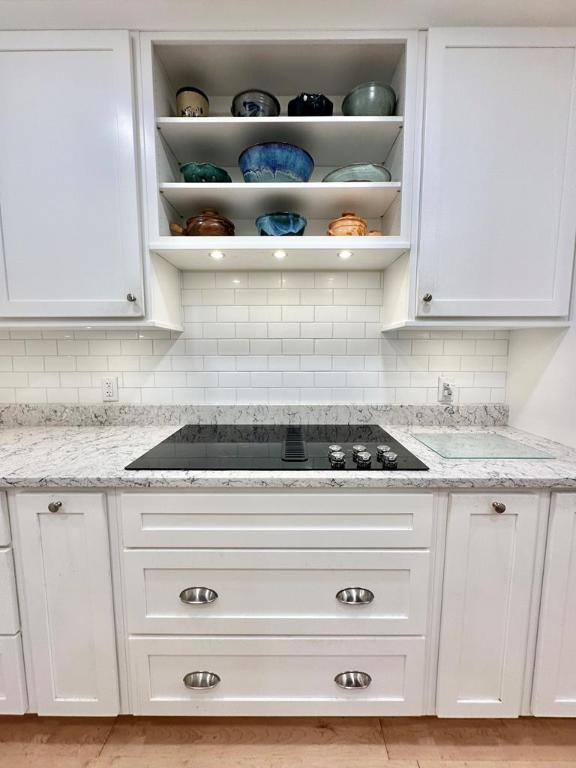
[(275, 161), (280, 224)]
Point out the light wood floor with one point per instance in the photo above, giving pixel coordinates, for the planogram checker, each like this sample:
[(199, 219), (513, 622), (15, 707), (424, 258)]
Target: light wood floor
[(129, 742)]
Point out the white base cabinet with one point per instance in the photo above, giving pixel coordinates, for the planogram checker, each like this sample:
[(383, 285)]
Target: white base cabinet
[(487, 595), (13, 696), (554, 692), (67, 590)]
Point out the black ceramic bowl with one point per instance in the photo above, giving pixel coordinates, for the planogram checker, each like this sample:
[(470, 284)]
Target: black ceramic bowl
[(310, 104)]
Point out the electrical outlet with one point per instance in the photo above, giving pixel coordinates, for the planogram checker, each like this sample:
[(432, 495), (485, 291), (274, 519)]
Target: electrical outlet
[(110, 388), (445, 391)]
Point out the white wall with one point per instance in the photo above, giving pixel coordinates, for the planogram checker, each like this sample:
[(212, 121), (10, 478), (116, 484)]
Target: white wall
[(260, 337), (298, 14), (542, 382)]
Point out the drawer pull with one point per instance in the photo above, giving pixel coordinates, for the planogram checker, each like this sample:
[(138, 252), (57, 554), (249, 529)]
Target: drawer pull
[(198, 595), (499, 507), (353, 680), (201, 681), (55, 506), (355, 596)]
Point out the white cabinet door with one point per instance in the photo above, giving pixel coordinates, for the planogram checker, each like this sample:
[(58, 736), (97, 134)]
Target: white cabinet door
[(70, 244), (13, 697), (486, 605), (68, 602), (554, 692), (499, 173)]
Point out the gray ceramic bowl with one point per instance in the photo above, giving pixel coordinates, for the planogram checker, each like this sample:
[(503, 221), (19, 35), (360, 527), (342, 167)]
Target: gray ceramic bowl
[(359, 172), (255, 103), (373, 99)]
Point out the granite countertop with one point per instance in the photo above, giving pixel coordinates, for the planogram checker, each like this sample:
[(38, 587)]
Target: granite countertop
[(95, 457)]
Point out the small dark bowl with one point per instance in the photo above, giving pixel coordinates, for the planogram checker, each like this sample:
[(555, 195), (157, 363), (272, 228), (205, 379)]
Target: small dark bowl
[(310, 104), (281, 224)]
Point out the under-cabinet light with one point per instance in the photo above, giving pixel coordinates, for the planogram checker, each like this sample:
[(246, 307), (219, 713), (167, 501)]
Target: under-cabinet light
[(217, 255), (345, 255), (279, 255)]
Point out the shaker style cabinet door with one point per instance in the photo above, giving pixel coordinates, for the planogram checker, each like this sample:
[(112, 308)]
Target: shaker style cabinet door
[(499, 173), (63, 543), (554, 692), (70, 241), (487, 593)]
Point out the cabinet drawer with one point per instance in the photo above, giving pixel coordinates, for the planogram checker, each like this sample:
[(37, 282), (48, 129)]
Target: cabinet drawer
[(13, 698), (263, 519), (271, 592), (4, 523), (9, 622), (277, 676)]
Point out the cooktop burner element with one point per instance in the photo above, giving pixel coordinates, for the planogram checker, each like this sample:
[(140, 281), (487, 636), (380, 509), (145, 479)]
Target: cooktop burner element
[(342, 447)]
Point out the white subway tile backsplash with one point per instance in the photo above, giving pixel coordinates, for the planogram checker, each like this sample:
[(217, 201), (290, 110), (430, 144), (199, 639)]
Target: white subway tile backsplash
[(260, 337)]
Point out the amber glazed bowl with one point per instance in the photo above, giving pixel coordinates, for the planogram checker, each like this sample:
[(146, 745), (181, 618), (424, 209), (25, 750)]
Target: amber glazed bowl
[(348, 225)]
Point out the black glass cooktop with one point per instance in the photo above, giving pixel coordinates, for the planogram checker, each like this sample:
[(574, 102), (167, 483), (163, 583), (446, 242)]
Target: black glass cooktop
[(275, 447)]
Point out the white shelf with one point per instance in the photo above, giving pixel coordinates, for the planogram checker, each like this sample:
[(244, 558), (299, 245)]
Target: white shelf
[(478, 325), (302, 253), (332, 141), (314, 200)]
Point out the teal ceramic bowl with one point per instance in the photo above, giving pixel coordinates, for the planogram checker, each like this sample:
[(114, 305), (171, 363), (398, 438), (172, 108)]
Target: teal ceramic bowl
[(359, 172), (204, 173), (372, 99)]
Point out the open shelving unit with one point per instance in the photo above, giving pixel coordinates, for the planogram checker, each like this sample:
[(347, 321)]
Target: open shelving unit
[(332, 63)]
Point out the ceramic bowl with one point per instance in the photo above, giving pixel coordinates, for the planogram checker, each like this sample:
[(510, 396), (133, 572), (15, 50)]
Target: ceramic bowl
[(197, 173), (375, 99), (280, 224), (192, 102), (359, 172), (207, 223), (274, 161), (349, 224), (255, 103), (308, 104)]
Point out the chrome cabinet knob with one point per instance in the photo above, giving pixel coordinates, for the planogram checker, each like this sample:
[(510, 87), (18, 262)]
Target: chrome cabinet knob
[(427, 298), (198, 595), (353, 680), (499, 507), (130, 297), (201, 681), (55, 506), (355, 596)]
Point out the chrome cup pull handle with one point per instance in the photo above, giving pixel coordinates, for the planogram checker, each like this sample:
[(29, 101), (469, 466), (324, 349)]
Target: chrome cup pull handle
[(198, 595), (353, 680), (355, 596), (201, 681)]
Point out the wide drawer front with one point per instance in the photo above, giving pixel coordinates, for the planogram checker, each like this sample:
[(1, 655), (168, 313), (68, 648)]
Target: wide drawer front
[(264, 519), (271, 592), (9, 622), (263, 676), (13, 698)]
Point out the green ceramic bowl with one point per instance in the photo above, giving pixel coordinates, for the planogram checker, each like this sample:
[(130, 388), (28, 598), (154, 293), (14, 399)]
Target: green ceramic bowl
[(372, 98), (198, 173), (359, 172)]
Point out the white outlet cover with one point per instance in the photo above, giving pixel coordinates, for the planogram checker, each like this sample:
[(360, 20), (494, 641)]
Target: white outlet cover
[(109, 388)]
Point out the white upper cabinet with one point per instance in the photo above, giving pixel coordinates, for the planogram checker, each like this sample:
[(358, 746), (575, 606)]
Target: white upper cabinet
[(499, 173), (70, 243)]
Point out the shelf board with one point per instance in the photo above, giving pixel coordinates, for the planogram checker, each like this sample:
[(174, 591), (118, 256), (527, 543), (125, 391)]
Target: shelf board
[(302, 253), (486, 324), (332, 141), (314, 199)]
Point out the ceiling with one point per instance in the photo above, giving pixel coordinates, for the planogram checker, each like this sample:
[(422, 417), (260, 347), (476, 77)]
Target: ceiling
[(267, 14)]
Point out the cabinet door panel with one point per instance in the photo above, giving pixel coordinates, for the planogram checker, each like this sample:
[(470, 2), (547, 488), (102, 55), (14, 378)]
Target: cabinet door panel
[(486, 605), (13, 696), (554, 691), (68, 592), (499, 191), (70, 241)]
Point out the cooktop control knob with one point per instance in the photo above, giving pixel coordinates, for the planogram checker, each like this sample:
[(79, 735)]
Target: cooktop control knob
[(381, 450), (356, 449), (337, 459), (364, 460), (390, 460), (334, 448)]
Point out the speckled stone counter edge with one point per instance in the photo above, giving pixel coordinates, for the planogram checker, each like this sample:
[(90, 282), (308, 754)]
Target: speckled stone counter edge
[(157, 415)]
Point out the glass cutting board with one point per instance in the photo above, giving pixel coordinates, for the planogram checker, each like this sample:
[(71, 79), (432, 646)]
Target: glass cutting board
[(478, 445)]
